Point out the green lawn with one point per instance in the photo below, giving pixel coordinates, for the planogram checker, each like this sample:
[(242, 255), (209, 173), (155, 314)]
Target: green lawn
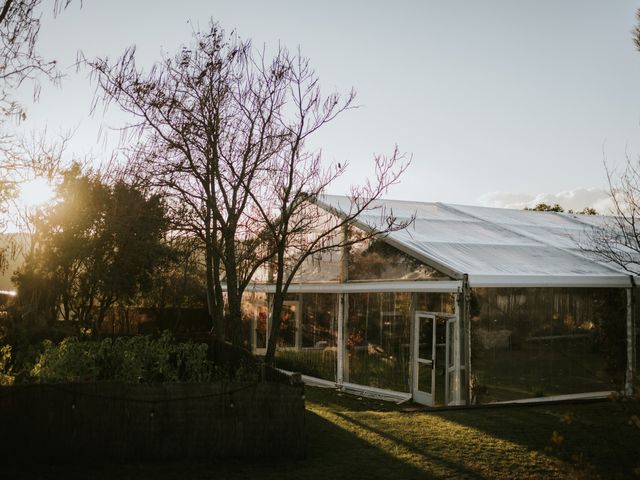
[(355, 438)]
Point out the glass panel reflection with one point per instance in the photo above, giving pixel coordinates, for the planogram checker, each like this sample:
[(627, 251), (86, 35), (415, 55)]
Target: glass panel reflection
[(378, 339), (377, 260), (254, 319), (451, 345), (288, 325), (262, 314), (316, 354), (435, 302), (425, 342), (425, 376), (539, 342)]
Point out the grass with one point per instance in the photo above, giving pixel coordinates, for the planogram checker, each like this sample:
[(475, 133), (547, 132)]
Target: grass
[(354, 437)]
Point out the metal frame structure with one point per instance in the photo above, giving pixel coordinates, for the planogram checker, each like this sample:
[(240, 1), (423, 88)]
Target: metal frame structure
[(527, 236)]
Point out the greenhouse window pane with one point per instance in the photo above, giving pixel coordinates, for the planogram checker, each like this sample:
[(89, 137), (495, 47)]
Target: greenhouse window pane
[(378, 340), (316, 355), (539, 342)]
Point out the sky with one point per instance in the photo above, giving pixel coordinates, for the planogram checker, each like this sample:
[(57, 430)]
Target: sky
[(498, 103)]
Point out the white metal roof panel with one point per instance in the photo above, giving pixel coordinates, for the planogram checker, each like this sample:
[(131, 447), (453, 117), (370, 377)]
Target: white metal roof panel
[(495, 246)]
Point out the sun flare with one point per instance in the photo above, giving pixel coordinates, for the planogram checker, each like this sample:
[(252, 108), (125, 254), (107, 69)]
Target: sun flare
[(36, 193)]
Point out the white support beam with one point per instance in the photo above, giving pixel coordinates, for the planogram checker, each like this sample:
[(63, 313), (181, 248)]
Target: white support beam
[(546, 281), (340, 340), (363, 287)]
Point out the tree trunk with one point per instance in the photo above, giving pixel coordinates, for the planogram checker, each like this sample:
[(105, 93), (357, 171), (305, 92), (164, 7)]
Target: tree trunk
[(213, 305), (218, 297), (234, 296), (276, 310)]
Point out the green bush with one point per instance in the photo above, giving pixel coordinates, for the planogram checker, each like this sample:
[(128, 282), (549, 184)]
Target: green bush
[(139, 359), (6, 377)]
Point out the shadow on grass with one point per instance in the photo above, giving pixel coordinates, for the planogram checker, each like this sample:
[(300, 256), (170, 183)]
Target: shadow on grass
[(331, 399), (593, 437), (438, 461), (589, 439), (332, 452)]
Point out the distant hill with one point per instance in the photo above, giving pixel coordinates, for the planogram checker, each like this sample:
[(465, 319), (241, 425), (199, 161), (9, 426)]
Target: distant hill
[(15, 245)]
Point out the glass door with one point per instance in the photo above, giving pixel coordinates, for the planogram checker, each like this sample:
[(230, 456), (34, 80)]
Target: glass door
[(424, 350), (436, 359)]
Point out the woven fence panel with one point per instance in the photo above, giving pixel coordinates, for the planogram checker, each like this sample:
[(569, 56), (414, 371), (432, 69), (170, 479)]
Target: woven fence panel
[(123, 422)]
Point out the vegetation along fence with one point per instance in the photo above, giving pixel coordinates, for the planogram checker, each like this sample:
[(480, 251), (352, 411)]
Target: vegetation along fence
[(118, 422)]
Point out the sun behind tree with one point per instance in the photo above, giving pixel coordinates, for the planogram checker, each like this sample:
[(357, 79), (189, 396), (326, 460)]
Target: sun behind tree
[(35, 193)]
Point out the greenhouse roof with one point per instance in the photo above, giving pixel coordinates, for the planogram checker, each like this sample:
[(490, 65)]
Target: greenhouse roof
[(494, 246)]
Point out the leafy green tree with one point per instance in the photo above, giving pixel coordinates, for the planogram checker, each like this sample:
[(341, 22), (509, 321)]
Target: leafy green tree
[(6, 373), (587, 211), (544, 207), (97, 247)]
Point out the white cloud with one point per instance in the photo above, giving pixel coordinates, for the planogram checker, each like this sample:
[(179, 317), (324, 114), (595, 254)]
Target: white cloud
[(505, 200), (576, 199)]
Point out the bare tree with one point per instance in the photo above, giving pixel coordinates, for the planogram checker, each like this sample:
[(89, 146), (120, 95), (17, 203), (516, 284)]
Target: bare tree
[(207, 124), (309, 229), (617, 239), (222, 130), (300, 225), (19, 29), (21, 62)]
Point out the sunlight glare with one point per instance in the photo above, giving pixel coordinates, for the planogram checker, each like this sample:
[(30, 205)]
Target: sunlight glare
[(35, 193)]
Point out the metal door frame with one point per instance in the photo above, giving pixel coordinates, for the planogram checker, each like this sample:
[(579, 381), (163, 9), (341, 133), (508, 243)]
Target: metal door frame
[(419, 396)]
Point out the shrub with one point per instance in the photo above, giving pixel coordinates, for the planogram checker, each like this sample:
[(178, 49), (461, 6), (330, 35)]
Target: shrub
[(139, 359), (6, 377)]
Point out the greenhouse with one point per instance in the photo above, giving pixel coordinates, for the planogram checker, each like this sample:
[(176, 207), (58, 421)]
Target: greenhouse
[(467, 305)]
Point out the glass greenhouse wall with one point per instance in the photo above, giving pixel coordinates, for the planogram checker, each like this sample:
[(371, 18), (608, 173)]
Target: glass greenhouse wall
[(378, 333), (374, 259), (308, 335), (466, 305), (378, 340), (255, 312), (524, 342), (536, 342)]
